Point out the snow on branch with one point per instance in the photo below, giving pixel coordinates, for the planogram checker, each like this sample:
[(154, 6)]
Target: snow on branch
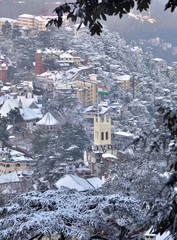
[(68, 213)]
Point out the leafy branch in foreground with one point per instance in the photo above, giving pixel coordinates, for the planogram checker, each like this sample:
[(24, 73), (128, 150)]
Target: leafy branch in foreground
[(91, 12)]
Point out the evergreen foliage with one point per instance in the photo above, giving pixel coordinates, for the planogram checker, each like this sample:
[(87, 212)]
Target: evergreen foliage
[(72, 214)]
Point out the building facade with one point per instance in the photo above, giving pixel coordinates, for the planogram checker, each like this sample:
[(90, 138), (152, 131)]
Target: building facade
[(26, 21), (102, 129), (86, 92), (11, 166)]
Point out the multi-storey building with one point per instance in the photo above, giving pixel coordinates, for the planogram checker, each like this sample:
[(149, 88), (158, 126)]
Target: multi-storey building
[(160, 64), (124, 81), (26, 21), (41, 21), (86, 91), (67, 57), (34, 22)]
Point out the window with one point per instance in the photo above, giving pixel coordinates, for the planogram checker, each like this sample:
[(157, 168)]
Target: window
[(18, 165), (106, 135), (8, 165), (102, 135)]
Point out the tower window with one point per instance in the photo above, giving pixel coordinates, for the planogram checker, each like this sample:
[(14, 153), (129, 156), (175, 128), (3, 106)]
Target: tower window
[(102, 135), (106, 135)]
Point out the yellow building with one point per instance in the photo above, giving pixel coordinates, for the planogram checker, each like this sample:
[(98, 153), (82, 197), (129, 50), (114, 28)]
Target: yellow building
[(9, 166), (82, 95), (26, 21), (77, 61), (102, 142), (102, 129), (11, 161), (67, 57), (34, 22), (41, 21), (86, 92), (29, 21), (124, 81), (93, 77)]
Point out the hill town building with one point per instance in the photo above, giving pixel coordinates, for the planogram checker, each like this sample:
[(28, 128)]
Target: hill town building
[(4, 72), (34, 22), (12, 160)]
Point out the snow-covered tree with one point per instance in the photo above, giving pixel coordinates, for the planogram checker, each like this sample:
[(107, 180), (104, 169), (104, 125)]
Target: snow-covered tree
[(53, 148), (68, 214)]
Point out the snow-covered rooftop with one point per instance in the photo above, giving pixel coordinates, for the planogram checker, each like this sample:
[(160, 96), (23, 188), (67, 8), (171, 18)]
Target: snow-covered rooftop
[(66, 55), (124, 77), (48, 120), (15, 176), (15, 155), (108, 155), (8, 105), (9, 178), (73, 182), (124, 134), (96, 110), (164, 236), (23, 104), (40, 19), (158, 59), (80, 184), (8, 19), (29, 114), (26, 16), (95, 181), (52, 51)]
